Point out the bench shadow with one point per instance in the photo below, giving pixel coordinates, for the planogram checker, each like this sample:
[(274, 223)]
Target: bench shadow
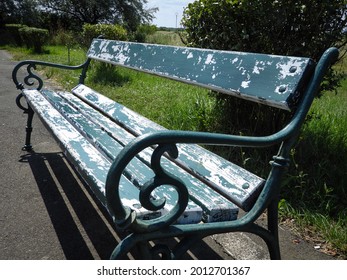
[(81, 230), (68, 206)]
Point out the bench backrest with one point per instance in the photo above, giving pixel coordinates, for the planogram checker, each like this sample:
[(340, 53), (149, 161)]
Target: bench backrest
[(269, 79)]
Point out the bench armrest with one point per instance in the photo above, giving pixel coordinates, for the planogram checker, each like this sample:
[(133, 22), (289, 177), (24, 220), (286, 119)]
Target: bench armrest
[(31, 76), (165, 142)]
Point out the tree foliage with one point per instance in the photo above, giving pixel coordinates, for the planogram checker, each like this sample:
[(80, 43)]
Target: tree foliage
[(21, 12), (72, 14), (288, 27), (109, 31), (129, 13)]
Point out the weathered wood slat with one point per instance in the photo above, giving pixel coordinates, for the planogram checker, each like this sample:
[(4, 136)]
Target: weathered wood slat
[(236, 183), (269, 79), (215, 207), (93, 166), (106, 144)]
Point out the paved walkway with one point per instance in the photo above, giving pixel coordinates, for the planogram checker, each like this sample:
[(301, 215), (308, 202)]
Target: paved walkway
[(47, 213)]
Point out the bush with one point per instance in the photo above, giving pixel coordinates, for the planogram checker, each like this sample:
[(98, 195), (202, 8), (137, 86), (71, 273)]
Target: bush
[(108, 31), (34, 38), (143, 31), (12, 31)]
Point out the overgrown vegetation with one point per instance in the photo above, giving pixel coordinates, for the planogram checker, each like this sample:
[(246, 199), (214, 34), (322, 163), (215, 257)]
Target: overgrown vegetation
[(71, 15), (34, 38)]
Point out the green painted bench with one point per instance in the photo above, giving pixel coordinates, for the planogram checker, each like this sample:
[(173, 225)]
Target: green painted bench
[(156, 183)]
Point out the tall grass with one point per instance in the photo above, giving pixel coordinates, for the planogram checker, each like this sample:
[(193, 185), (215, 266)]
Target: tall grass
[(171, 104), (165, 38), (316, 188)]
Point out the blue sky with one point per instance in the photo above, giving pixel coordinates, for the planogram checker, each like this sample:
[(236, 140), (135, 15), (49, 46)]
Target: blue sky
[(168, 9)]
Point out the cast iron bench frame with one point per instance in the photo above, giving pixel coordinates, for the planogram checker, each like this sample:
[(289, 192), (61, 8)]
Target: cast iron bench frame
[(289, 83)]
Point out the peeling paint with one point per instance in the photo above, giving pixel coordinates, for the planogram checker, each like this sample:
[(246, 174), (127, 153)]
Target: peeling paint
[(206, 65), (245, 84)]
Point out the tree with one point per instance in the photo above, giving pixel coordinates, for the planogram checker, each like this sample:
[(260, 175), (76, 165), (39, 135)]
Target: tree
[(23, 12), (6, 6), (129, 13)]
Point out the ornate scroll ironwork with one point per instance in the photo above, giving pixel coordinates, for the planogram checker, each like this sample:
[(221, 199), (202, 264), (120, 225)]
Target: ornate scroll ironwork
[(125, 217), (32, 80), (31, 76)]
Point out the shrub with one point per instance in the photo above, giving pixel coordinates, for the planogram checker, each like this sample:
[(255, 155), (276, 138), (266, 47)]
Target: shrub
[(34, 38), (12, 31), (143, 31), (108, 31)]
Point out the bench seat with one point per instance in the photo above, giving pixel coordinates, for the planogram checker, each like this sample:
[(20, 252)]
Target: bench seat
[(93, 129)]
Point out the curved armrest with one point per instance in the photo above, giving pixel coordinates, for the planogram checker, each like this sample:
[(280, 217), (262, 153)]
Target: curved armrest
[(165, 142), (31, 64)]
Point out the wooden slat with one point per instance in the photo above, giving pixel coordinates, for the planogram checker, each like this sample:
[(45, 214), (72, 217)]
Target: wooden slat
[(269, 79), (110, 147), (92, 165), (236, 183), (215, 207)]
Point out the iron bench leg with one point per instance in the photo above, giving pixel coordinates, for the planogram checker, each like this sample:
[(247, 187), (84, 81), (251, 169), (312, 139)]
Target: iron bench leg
[(30, 112), (272, 219)]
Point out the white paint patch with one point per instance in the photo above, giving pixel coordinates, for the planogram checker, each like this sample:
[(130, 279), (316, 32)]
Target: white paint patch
[(285, 67), (234, 60), (245, 84), (258, 67), (210, 59)]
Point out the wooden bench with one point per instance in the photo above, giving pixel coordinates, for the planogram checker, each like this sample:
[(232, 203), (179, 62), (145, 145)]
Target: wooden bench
[(156, 183)]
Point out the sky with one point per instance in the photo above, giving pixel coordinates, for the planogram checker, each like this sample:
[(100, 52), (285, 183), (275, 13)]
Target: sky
[(170, 12)]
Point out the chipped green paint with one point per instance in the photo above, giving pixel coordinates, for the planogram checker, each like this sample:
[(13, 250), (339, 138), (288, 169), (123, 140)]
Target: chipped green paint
[(270, 79), (218, 173)]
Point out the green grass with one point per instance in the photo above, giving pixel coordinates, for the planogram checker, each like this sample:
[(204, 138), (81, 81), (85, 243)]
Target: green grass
[(315, 191), (317, 228), (171, 104), (165, 38)]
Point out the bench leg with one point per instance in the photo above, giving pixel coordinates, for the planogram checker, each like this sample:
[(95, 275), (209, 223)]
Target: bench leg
[(28, 129), (273, 246), (158, 251), (30, 112)]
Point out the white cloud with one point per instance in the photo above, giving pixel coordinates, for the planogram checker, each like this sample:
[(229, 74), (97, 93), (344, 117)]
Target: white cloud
[(170, 11)]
